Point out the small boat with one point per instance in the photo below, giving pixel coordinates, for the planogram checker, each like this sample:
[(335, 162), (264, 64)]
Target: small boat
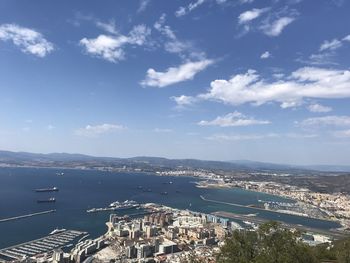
[(56, 231), (50, 200), (53, 189), (164, 193)]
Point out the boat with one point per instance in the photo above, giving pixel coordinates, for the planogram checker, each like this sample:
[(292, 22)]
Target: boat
[(56, 231), (164, 193), (53, 189), (50, 200)]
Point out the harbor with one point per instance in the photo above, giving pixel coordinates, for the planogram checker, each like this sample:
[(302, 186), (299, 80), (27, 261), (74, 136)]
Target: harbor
[(34, 248)]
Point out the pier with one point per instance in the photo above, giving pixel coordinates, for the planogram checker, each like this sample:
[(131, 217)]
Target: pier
[(40, 246), (28, 215), (256, 220)]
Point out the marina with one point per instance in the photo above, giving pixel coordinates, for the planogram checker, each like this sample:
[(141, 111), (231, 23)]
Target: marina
[(39, 246)]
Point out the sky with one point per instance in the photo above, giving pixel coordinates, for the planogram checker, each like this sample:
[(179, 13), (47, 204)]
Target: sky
[(261, 80)]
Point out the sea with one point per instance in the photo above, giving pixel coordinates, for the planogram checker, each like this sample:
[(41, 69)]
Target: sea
[(80, 190)]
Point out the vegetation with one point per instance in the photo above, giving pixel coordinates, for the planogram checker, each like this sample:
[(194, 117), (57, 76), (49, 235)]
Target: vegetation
[(274, 244)]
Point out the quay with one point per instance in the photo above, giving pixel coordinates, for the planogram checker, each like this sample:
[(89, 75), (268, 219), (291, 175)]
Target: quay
[(28, 215), (39, 246), (256, 220)]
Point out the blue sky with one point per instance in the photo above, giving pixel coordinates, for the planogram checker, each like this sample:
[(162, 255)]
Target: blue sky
[(207, 79)]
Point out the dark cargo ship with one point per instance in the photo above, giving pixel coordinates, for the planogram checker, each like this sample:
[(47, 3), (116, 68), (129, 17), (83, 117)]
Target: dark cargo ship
[(53, 189)]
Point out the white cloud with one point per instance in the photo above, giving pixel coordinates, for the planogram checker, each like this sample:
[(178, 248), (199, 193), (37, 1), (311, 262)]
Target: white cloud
[(342, 134), (143, 5), (347, 38), (50, 127), (265, 55), (110, 47), (172, 44), (306, 82), (250, 15), (96, 130), (319, 108), (301, 135), (175, 74), (331, 45), (276, 27), (162, 130), (28, 40), (233, 119), (109, 27), (183, 100), (332, 120), (181, 11), (241, 137)]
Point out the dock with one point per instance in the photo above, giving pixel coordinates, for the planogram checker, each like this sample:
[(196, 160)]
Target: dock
[(256, 220), (28, 215), (39, 246)]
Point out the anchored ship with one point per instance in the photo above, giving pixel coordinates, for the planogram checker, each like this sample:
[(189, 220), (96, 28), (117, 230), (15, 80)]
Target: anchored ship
[(50, 200), (53, 189), (115, 206)]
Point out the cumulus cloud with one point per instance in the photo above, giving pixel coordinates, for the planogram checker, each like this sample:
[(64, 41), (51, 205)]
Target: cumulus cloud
[(111, 47), (96, 130), (181, 11), (306, 82), (233, 119), (183, 100), (319, 108), (174, 75), (265, 55), (28, 40), (274, 28), (332, 120), (250, 15)]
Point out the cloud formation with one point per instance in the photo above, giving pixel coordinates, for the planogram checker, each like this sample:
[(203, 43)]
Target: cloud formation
[(174, 75), (289, 91), (28, 40), (265, 55), (331, 120), (274, 28), (96, 130), (250, 15), (184, 10), (111, 47), (241, 137), (233, 119), (319, 108)]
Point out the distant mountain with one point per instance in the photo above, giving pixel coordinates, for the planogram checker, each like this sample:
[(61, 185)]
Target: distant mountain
[(149, 163)]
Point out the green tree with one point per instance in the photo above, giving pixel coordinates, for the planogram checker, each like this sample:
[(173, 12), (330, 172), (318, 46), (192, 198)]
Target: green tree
[(270, 244)]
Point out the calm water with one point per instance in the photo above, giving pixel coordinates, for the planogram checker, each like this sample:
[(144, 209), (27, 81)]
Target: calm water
[(81, 190)]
